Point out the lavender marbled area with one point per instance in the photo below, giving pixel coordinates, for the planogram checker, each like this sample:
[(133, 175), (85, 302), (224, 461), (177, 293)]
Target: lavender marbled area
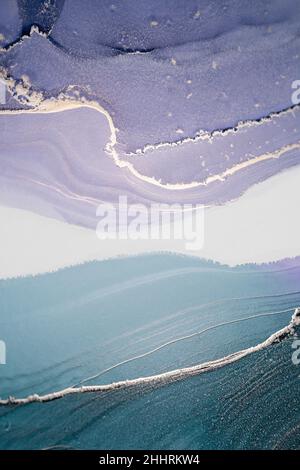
[(238, 68), (56, 164), (209, 157), (164, 74), (17, 17), (10, 22), (42, 13), (152, 24)]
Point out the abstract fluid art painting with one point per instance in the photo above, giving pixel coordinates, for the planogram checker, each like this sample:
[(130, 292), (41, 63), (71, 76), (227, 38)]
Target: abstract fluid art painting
[(149, 242)]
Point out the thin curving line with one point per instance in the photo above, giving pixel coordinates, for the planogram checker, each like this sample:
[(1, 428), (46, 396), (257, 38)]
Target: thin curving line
[(177, 374), (177, 340)]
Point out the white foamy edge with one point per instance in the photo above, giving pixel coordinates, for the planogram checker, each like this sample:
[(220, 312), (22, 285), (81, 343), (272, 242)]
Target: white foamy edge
[(177, 374), (209, 136), (17, 42), (22, 92)]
